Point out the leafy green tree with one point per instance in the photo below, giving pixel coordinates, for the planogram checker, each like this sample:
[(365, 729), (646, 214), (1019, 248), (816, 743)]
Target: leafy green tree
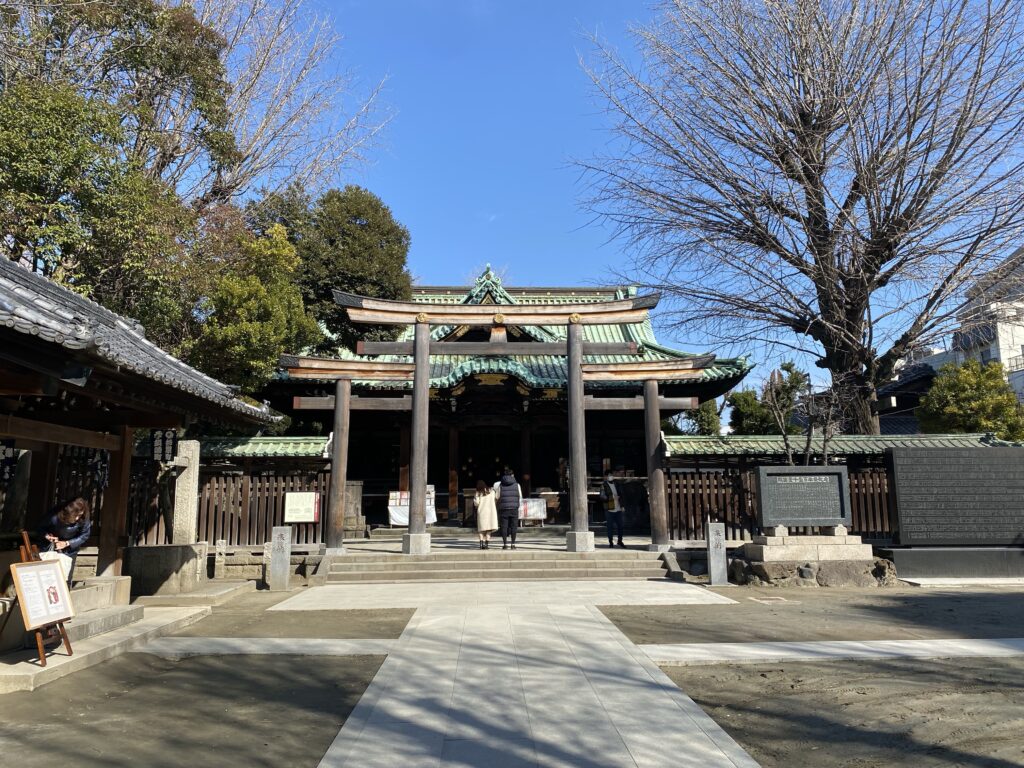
[(704, 420), (155, 63), (348, 239), (972, 398), (253, 314), (748, 416), (75, 208), (764, 413)]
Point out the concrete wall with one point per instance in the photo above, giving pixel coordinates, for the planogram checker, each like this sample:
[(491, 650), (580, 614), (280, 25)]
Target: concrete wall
[(167, 569)]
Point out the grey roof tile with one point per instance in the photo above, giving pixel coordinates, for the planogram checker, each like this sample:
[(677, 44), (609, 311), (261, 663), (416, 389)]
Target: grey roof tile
[(35, 306)]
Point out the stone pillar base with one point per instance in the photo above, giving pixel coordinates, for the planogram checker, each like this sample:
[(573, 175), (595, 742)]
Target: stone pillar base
[(334, 551), (416, 544), (579, 541), (652, 547)]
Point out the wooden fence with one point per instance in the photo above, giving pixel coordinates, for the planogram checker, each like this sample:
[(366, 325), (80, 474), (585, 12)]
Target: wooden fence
[(242, 507), (730, 496)]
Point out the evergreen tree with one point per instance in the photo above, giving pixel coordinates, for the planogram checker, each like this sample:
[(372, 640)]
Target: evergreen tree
[(972, 398)]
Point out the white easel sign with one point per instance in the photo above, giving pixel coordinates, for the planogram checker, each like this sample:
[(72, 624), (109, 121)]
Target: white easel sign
[(42, 593), (302, 507)]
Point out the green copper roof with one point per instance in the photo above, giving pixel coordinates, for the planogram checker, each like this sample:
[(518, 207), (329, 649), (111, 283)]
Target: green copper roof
[(844, 445), (542, 371), (262, 447)]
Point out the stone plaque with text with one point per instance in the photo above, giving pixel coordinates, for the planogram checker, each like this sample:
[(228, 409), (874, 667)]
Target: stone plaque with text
[(803, 496), (959, 496)]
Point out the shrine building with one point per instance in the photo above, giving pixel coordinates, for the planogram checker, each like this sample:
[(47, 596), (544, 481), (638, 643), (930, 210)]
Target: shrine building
[(499, 394)]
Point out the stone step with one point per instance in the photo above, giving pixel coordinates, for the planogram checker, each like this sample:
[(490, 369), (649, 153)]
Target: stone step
[(501, 564), (21, 671), (214, 592), (88, 624), (496, 575), (491, 555)]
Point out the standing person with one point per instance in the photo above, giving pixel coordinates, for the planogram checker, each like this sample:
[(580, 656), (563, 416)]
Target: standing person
[(614, 515), (510, 496), (486, 513), (68, 529)]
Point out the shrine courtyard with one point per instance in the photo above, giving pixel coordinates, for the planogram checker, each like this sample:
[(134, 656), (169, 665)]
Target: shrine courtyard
[(573, 673)]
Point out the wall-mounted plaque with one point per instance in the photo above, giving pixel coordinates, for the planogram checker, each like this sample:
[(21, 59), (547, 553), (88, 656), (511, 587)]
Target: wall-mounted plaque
[(803, 496), (959, 496), (302, 507)]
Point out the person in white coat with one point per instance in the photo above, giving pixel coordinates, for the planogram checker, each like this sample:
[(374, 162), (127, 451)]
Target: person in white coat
[(486, 513)]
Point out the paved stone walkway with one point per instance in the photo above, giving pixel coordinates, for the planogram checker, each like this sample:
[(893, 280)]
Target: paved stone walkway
[(521, 674)]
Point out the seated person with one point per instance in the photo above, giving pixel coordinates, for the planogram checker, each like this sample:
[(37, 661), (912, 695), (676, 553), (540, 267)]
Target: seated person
[(67, 530)]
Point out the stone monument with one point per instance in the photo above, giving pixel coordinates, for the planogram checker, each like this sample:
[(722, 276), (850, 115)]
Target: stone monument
[(807, 497)]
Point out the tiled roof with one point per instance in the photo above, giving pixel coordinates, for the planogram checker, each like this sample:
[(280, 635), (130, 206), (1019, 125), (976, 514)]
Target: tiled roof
[(548, 370), (842, 445), (35, 306), (262, 447)]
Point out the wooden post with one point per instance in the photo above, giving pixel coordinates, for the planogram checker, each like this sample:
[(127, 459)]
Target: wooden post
[(525, 440), (114, 514), (335, 527), (42, 479), (403, 457), (655, 472), (417, 540), (579, 538), (453, 472)]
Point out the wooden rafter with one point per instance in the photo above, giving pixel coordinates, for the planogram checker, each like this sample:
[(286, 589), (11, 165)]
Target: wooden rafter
[(328, 368), (43, 431), (362, 309), (495, 349), (648, 370)]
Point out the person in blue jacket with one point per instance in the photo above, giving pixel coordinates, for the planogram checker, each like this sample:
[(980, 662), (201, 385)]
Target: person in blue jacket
[(67, 530)]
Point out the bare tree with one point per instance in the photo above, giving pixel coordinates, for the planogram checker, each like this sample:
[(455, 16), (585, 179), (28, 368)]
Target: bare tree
[(217, 97), (294, 117), (825, 174)]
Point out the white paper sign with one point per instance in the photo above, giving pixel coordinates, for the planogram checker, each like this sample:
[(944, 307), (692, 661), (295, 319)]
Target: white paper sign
[(302, 507), (42, 593), (533, 509), (398, 507)]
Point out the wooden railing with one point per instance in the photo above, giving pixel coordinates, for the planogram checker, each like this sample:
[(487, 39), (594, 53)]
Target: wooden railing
[(730, 496)]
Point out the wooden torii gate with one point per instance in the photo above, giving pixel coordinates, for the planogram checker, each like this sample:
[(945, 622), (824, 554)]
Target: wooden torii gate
[(362, 309)]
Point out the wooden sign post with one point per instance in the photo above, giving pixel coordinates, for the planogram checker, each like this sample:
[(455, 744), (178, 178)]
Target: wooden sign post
[(44, 600)]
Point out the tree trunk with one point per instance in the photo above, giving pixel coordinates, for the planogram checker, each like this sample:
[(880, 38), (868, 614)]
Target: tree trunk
[(861, 409)]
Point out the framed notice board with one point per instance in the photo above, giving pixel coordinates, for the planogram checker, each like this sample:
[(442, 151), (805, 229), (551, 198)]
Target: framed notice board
[(42, 593)]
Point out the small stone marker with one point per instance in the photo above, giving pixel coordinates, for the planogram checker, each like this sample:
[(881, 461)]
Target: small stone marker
[(220, 559), (717, 567), (279, 572)]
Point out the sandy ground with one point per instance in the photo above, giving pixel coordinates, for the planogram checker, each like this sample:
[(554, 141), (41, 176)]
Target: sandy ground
[(854, 714), (847, 714), (248, 617), (772, 614), (225, 711)]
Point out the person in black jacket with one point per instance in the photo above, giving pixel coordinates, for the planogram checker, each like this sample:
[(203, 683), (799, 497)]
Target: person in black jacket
[(509, 497), (67, 529), (614, 513)]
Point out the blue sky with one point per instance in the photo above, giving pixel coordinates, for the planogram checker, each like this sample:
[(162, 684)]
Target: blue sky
[(490, 106)]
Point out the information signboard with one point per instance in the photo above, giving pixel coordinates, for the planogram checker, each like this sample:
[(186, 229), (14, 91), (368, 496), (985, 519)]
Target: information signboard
[(42, 593), (803, 496), (302, 507), (959, 496)]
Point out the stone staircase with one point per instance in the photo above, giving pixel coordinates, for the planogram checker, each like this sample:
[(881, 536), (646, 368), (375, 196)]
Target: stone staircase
[(491, 565), (101, 605)]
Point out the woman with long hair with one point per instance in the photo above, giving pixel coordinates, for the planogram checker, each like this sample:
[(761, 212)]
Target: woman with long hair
[(486, 513), (67, 529)]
